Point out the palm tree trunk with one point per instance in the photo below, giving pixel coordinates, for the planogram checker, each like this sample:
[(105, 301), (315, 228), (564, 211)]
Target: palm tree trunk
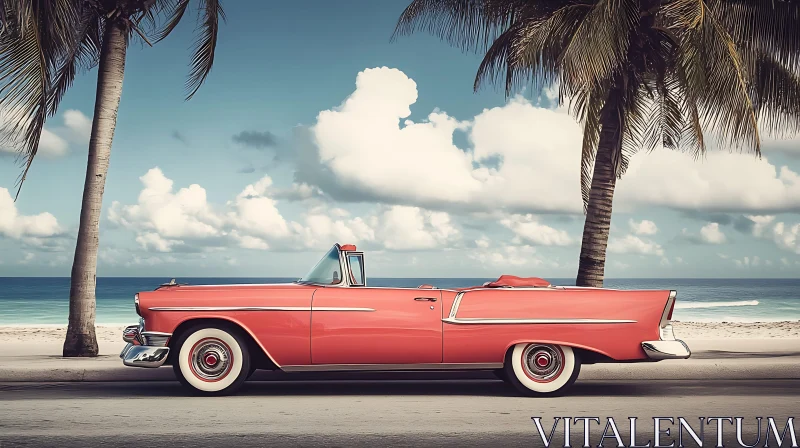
[(598, 212), (81, 339)]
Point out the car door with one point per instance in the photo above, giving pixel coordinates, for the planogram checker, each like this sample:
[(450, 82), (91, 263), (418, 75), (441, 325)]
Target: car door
[(361, 325)]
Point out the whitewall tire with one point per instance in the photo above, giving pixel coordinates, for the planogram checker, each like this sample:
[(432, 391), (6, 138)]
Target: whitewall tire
[(212, 360), (542, 369)]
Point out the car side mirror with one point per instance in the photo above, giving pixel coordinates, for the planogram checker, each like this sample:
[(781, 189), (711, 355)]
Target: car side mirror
[(336, 279)]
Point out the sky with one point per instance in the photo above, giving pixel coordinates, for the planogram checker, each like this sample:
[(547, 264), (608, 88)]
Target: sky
[(314, 127)]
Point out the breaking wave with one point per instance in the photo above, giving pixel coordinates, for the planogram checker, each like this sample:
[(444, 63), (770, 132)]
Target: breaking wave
[(696, 305)]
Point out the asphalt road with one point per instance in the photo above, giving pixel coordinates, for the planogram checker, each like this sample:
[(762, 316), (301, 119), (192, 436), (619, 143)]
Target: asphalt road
[(372, 413)]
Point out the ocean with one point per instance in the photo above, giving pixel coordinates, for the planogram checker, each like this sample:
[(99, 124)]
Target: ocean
[(45, 300)]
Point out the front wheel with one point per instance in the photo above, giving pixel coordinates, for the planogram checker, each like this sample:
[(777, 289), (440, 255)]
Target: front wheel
[(212, 360), (542, 369)]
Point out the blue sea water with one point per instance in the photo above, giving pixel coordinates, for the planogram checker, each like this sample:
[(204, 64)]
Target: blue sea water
[(45, 300)]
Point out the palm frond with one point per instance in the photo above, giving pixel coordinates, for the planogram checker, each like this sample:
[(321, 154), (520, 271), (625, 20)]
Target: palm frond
[(82, 55), (34, 38), (205, 46), (174, 10), (717, 76), (531, 49), (466, 24), (692, 139), (598, 47), (24, 80), (666, 124), (634, 113), (770, 26), (776, 95)]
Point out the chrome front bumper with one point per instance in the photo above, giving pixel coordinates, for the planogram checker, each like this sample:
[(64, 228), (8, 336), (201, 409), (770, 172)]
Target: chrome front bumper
[(144, 355), (667, 347), (145, 348)]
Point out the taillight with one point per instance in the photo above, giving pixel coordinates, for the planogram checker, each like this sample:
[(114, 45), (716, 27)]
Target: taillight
[(671, 308), (665, 327), (666, 315), (136, 304)]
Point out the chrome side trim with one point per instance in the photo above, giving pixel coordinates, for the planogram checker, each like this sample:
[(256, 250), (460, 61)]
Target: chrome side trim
[(391, 367), (254, 308), (456, 303), (230, 308), (336, 308), (481, 321), (233, 285)]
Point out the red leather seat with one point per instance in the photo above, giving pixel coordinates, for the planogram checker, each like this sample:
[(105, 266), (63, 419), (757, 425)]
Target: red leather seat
[(518, 282)]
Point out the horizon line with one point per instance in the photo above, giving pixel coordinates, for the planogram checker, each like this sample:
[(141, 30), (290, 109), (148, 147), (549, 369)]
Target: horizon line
[(443, 278)]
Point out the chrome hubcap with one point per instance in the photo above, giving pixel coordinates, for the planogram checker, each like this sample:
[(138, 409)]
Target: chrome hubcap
[(542, 362), (211, 359)]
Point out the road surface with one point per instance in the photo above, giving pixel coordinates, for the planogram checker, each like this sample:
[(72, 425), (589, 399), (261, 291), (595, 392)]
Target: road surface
[(465, 412)]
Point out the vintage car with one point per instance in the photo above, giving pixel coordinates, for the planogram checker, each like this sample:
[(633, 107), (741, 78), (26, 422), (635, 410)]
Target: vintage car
[(532, 334)]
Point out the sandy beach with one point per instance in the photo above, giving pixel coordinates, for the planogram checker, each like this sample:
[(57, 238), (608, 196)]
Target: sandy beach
[(683, 330)]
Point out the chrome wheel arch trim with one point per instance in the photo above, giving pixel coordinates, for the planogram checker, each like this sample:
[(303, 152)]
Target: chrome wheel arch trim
[(497, 321)]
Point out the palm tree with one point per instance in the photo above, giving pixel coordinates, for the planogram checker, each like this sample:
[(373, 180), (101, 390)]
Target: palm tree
[(43, 45), (638, 74)]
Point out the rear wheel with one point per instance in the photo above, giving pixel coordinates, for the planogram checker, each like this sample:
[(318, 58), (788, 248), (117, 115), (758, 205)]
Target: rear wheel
[(542, 369), (212, 360)]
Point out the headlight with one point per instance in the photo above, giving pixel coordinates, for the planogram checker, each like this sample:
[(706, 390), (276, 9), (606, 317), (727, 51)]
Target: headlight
[(136, 303)]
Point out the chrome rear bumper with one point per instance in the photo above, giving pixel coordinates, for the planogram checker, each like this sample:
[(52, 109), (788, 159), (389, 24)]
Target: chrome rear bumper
[(667, 347), (144, 355), (676, 349)]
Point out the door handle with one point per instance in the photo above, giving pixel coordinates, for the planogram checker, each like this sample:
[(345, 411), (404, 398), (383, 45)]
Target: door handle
[(425, 299)]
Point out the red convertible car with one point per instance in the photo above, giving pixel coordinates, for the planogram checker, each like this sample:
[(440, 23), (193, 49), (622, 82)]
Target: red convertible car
[(533, 334)]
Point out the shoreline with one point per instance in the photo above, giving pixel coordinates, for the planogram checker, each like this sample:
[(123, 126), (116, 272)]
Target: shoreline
[(112, 333)]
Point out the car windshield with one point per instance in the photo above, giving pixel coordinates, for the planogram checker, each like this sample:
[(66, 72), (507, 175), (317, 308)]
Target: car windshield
[(328, 270)]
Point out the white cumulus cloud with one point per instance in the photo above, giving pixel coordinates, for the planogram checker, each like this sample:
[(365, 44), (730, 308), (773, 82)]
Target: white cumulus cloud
[(643, 227), (165, 220), (519, 157), (711, 234), (170, 214), (528, 230), (369, 145), (55, 140), (760, 223), (15, 225), (632, 244), (787, 237)]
